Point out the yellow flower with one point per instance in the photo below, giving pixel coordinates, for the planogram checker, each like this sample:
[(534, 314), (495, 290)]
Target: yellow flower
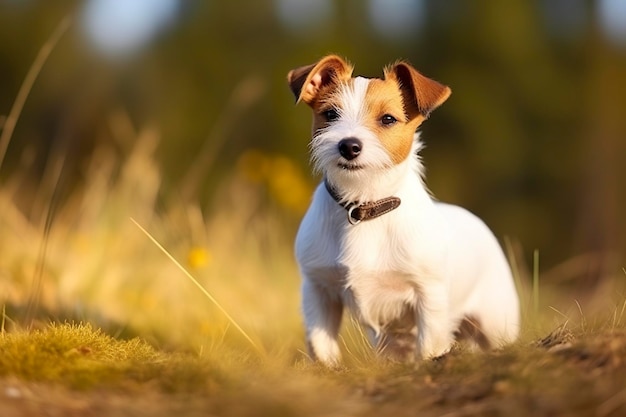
[(198, 257)]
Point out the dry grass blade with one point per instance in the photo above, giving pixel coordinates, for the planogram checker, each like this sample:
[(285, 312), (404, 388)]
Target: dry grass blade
[(200, 287), (612, 404), (27, 84), (536, 282)]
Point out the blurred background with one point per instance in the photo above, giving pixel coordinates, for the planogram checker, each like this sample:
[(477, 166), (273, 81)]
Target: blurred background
[(177, 113)]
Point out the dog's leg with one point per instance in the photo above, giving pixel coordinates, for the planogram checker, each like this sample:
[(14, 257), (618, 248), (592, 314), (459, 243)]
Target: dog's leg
[(322, 316), (398, 339), (470, 329), (435, 332)]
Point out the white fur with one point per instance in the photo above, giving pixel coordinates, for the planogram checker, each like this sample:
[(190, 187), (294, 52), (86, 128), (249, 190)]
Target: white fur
[(429, 263)]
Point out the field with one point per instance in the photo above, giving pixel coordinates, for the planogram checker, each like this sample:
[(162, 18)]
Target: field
[(120, 300), (119, 307)]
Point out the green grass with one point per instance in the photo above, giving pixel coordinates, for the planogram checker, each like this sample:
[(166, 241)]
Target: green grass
[(83, 357), (567, 373)]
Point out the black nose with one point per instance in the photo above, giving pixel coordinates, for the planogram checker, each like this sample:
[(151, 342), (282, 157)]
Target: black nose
[(350, 148)]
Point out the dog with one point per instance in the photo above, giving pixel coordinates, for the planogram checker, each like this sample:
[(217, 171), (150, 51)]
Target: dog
[(417, 273)]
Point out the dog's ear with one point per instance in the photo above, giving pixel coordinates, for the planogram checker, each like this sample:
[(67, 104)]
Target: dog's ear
[(421, 95), (306, 82)]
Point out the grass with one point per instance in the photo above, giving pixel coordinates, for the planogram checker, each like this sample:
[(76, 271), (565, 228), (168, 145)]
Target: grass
[(98, 320), (569, 372), (83, 357)]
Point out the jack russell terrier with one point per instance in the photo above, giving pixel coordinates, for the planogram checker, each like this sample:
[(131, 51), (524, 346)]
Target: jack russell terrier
[(417, 273)]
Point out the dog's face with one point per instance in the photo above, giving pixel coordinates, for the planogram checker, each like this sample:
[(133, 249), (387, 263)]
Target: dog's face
[(363, 125)]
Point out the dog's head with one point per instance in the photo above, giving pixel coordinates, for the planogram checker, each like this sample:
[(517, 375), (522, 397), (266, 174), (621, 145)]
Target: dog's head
[(363, 125)]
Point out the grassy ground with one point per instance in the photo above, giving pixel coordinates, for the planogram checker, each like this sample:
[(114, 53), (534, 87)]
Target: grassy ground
[(77, 370)]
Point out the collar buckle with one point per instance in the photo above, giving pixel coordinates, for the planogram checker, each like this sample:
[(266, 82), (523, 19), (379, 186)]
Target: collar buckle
[(351, 208)]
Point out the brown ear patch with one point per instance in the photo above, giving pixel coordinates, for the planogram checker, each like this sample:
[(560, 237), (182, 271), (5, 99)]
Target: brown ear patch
[(421, 94), (306, 82)]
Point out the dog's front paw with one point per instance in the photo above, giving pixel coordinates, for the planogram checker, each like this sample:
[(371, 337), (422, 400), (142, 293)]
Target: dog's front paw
[(432, 349), (324, 349)]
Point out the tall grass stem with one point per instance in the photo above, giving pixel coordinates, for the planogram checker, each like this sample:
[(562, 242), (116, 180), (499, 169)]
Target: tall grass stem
[(200, 287), (536, 282), (27, 85)]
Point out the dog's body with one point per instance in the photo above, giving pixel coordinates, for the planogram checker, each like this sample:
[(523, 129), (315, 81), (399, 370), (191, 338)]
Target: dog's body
[(416, 272)]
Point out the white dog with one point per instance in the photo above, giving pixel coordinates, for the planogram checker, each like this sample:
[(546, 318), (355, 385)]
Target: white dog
[(417, 273)]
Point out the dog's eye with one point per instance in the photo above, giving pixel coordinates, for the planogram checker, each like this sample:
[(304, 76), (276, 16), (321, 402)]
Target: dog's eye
[(388, 120), (330, 115)]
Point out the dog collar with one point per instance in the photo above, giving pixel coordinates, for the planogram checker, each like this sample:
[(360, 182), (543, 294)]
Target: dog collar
[(365, 211)]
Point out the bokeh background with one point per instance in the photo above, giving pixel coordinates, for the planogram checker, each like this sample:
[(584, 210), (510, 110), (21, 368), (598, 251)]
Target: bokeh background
[(177, 113)]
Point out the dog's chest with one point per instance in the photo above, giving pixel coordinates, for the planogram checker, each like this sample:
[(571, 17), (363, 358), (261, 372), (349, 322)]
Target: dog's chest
[(378, 245), (391, 252), (386, 269)]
